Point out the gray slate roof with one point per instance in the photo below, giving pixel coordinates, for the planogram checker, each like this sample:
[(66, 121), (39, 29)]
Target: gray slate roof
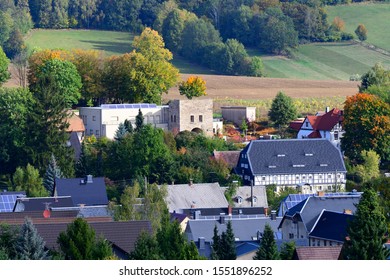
[(245, 193), (307, 155), (312, 207), (40, 203), (244, 229), (187, 196), (93, 193)]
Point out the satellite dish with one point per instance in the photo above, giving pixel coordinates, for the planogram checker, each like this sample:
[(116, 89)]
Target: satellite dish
[(46, 214)]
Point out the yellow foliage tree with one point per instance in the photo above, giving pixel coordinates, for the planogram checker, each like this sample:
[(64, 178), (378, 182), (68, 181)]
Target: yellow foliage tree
[(193, 87)]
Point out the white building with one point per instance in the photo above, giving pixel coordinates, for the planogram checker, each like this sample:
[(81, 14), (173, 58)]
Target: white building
[(104, 120), (236, 114), (178, 115), (327, 125)]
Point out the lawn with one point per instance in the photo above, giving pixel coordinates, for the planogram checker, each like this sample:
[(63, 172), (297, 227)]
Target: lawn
[(323, 61), (112, 43), (375, 16)]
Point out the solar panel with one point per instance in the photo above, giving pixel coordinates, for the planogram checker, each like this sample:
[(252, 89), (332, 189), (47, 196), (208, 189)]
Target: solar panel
[(7, 201)]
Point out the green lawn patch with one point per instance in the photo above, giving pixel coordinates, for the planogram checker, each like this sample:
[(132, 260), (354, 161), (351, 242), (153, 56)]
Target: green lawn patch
[(375, 16)]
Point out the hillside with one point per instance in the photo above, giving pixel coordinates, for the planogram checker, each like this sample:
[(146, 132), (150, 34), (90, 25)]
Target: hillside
[(375, 16)]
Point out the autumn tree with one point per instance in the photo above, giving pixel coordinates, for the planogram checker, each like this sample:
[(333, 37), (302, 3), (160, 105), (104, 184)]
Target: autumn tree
[(367, 126), (282, 110), (160, 75), (194, 87), (338, 24), (367, 231), (361, 32)]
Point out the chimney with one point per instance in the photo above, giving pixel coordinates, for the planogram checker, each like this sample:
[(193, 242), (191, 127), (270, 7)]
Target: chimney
[(82, 181), (222, 218), (321, 193), (202, 242), (230, 210), (89, 179), (273, 215), (347, 211), (196, 215), (266, 212), (190, 183)]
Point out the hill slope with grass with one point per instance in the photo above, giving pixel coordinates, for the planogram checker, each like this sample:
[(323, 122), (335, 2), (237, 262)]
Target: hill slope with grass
[(375, 16)]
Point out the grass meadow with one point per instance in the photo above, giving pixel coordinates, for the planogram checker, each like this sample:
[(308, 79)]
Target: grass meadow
[(375, 16)]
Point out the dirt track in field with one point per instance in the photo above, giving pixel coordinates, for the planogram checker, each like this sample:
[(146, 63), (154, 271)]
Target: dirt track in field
[(266, 88)]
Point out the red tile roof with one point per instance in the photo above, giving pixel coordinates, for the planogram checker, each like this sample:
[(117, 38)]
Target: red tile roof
[(229, 157), (315, 134), (317, 253), (326, 121), (75, 123)]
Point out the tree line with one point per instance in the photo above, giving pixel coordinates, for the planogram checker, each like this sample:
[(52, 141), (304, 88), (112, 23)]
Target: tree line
[(213, 33)]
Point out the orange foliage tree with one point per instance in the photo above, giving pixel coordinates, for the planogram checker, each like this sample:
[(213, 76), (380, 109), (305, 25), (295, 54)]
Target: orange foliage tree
[(193, 87), (367, 126)]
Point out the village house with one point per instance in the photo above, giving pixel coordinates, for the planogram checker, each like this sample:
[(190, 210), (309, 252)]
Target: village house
[(311, 165), (319, 220), (326, 125)]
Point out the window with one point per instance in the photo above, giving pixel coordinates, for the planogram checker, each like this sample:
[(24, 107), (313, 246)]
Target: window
[(291, 235), (329, 188), (200, 118), (320, 188), (114, 118), (239, 199), (330, 243), (307, 124), (90, 131), (263, 178), (97, 132), (336, 135), (192, 119), (171, 118), (174, 118), (318, 243), (324, 242), (93, 118)]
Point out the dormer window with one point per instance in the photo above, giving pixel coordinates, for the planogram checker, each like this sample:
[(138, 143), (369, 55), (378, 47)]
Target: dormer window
[(254, 199), (239, 199)]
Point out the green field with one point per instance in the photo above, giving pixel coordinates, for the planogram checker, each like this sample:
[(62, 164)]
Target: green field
[(110, 42), (375, 16), (325, 61)]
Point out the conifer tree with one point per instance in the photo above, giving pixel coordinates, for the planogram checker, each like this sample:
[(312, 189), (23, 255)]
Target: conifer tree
[(120, 132), (29, 245), (79, 242), (282, 110), (224, 247), (268, 249), (146, 248), (53, 171), (48, 135), (129, 126), (367, 232), (139, 121)]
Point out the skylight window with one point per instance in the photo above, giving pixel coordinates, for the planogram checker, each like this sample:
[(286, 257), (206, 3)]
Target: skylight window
[(281, 155), (271, 166), (323, 164), (308, 154), (298, 165)]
